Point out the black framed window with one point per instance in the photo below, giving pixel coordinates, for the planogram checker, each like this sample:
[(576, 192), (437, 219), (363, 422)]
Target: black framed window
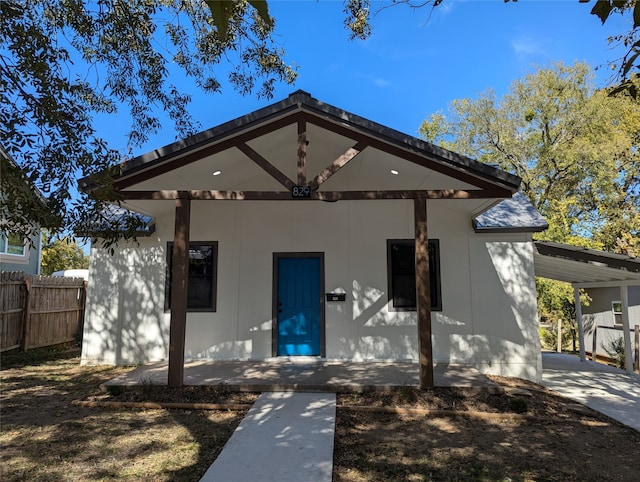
[(401, 274), (202, 276)]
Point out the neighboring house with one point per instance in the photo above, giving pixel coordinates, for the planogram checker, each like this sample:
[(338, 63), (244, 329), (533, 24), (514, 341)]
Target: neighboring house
[(604, 315), (301, 222), (612, 282), (18, 253)]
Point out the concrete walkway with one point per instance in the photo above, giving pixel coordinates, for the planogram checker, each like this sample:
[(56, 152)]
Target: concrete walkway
[(607, 389), (288, 435), (285, 437)]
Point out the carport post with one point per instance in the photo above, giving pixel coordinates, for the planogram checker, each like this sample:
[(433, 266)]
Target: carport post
[(626, 328), (576, 297)]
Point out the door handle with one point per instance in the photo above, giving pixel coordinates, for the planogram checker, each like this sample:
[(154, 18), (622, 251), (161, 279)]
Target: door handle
[(279, 311)]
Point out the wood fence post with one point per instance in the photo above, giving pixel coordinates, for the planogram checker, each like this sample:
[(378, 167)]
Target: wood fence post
[(559, 350), (81, 312), (24, 345), (637, 348), (594, 356)]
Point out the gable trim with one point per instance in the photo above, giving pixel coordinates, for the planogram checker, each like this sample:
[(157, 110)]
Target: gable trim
[(301, 108)]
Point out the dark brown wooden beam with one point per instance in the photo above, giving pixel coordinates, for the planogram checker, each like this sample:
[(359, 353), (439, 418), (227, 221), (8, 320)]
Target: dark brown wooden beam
[(315, 195), (180, 158), (423, 294), (336, 165), (302, 152), (443, 166), (179, 277), (272, 170)]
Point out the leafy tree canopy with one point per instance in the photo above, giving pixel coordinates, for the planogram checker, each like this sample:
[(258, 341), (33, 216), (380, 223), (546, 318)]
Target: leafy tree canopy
[(576, 150), (60, 254), (63, 61)]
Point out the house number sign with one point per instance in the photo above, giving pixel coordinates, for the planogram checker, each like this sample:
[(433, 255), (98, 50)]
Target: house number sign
[(300, 191)]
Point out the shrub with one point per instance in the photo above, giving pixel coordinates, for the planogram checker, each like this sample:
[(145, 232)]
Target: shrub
[(518, 405), (615, 349), (549, 338)]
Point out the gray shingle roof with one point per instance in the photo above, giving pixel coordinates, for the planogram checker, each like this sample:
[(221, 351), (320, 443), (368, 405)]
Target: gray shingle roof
[(516, 215)]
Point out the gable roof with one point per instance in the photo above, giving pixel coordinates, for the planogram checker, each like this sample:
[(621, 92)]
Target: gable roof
[(301, 108), (114, 218), (515, 214)]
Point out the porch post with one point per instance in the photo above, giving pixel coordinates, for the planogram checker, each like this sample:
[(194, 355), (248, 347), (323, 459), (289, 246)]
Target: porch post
[(626, 328), (179, 276), (576, 298), (423, 293)]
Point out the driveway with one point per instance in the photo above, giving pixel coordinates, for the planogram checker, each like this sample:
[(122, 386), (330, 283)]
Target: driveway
[(607, 389)]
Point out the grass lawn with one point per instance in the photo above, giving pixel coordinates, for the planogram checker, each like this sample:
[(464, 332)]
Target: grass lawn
[(43, 437)]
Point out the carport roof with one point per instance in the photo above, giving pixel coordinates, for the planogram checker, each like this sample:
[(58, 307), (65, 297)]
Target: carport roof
[(575, 264)]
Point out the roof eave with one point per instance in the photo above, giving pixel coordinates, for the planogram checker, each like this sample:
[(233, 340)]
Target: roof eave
[(302, 101), (517, 229)]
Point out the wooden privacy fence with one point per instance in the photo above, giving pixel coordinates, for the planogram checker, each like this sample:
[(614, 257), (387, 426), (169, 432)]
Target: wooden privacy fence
[(39, 311)]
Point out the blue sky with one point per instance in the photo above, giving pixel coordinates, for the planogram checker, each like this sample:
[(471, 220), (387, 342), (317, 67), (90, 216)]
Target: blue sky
[(415, 63)]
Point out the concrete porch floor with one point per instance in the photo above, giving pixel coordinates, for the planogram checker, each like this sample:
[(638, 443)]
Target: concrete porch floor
[(303, 374)]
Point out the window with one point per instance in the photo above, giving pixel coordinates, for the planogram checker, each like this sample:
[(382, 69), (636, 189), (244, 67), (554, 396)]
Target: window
[(201, 279), (401, 274), (12, 244), (616, 307)]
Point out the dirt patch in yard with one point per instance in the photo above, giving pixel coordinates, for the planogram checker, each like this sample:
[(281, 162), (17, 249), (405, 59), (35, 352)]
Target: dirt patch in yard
[(538, 436), (44, 437)]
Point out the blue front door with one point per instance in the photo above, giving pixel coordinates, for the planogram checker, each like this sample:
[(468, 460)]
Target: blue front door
[(299, 304)]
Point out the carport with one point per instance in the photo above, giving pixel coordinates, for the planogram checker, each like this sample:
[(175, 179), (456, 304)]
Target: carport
[(590, 268)]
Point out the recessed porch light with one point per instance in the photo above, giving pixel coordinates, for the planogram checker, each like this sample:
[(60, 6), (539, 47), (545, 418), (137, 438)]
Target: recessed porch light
[(394, 172), (216, 173)]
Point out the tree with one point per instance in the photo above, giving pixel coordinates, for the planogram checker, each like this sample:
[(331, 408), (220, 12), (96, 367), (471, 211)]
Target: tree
[(63, 61), (21, 202), (358, 21), (576, 150), (629, 65), (60, 254), (574, 147)]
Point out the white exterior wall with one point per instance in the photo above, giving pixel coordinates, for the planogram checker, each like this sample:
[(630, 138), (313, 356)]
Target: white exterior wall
[(124, 320), (488, 290)]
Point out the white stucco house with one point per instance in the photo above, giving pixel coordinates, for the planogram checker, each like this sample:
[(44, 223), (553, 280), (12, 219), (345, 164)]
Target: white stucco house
[(305, 227)]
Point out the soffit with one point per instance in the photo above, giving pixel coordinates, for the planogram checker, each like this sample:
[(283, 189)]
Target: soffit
[(370, 170)]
